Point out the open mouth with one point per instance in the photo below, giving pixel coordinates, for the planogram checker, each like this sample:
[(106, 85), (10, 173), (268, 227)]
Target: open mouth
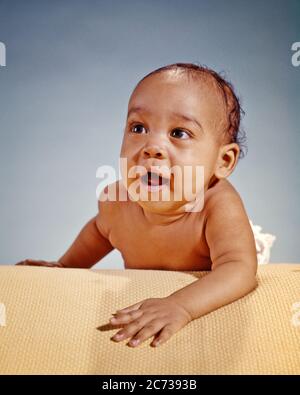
[(154, 180)]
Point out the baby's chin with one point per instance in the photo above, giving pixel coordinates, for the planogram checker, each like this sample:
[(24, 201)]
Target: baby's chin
[(149, 194), (162, 207), (161, 201)]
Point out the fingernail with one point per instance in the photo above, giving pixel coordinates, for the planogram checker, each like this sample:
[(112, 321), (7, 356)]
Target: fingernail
[(113, 319), (157, 343), (118, 336), (134, 342)]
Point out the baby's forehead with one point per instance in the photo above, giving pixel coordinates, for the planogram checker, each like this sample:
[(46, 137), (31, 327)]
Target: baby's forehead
[(179, 88), (182, 78), (199, 84)]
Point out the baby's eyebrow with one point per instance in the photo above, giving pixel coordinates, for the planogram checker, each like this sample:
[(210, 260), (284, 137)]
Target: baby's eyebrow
[(137, 109), (187, 118)]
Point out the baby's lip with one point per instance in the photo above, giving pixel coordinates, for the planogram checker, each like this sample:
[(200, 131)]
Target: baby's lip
[(153, 178), (156, 172)]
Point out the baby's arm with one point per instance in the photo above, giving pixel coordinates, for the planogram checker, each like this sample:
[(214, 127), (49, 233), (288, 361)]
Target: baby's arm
[(86, 250), (233, 275), (233, 254)]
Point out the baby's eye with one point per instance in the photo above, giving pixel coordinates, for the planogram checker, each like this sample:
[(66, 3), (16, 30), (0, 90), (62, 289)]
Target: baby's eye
[(180, 134), (138, 128)]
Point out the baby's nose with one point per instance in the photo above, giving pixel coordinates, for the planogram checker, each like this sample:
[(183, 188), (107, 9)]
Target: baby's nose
[(154, 151)]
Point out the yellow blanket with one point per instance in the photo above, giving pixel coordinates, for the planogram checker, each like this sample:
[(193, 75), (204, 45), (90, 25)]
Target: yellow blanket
[(57, 322)]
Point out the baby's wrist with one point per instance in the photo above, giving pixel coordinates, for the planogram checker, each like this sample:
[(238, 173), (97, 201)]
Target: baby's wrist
[(179, 302)]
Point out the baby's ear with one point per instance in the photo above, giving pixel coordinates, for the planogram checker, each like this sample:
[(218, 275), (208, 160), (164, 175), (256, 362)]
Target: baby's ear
[(227, 160)]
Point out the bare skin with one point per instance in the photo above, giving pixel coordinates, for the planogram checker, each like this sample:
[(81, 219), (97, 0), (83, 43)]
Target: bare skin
[(163, 235)]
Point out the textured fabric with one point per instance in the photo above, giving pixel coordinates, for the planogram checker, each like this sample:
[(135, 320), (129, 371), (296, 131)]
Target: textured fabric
[(57, 321)]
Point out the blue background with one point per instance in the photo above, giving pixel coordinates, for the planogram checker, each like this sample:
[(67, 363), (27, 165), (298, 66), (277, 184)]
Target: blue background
[(71, 67)]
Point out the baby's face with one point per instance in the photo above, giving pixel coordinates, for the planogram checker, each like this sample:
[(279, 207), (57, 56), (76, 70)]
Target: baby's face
[(172, 121)]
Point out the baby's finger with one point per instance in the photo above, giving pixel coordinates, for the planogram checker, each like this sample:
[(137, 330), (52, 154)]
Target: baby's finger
[(132, 328), (126, 318), (164, 335), (149, 330), (32, 262), (25, 262), (29, 262), (130, 308)]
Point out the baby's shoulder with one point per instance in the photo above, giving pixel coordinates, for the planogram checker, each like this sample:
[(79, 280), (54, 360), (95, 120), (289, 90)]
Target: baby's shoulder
[(222, 195), (112, 196), (111, 200)]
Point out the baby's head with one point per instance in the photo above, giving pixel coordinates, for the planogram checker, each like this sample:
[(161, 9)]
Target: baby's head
[(182, 115)]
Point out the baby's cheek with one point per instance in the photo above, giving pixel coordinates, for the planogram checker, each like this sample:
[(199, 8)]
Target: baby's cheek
[(192, 181), (126, 169)]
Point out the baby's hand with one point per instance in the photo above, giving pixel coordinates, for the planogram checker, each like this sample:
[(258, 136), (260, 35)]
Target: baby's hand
[(32, 262), (151, 316)]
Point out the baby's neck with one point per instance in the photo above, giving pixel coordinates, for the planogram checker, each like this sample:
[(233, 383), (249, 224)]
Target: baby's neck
[(197, 205), (162, 219)]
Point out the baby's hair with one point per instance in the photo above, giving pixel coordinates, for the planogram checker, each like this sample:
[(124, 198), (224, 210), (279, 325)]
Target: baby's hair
[(234, 110)]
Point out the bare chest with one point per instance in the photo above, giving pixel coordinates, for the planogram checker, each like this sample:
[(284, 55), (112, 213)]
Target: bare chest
[(180, 245)]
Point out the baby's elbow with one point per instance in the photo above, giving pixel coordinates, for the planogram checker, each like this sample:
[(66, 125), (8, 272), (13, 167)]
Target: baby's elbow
[(248, 277), (253, 283), (250, 266), (250, 283)]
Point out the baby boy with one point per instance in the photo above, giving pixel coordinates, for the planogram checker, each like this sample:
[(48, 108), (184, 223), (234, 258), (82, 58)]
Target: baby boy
[(179, 115)]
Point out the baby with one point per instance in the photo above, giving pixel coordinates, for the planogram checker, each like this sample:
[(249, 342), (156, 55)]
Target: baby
[(179, 115)]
